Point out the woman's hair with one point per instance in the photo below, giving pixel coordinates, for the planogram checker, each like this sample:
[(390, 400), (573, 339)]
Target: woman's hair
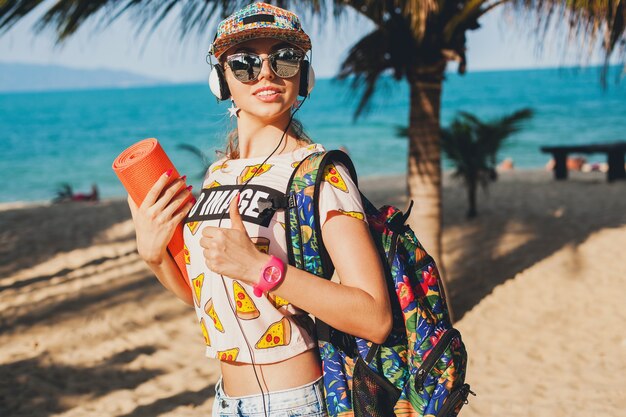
[(231, 150)]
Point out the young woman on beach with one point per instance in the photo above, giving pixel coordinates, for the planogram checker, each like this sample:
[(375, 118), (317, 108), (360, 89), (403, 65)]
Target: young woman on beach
[(251, 306)]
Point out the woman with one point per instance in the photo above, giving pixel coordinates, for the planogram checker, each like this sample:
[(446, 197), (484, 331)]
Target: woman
[(251, 306)]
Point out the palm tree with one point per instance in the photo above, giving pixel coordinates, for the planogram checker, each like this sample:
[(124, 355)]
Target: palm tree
[(472, 145), (414, 39)]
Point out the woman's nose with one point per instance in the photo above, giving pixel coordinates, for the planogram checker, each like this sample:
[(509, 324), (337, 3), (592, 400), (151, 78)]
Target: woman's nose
[(266, 71)]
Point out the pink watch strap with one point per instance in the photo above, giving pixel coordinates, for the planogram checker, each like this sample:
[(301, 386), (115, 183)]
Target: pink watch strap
[(272, 274)]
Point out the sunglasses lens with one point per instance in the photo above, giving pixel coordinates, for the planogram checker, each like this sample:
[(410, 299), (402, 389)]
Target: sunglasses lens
[(245, 67), (286, 63)]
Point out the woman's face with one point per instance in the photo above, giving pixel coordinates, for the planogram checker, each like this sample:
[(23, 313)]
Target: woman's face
[(283, 92)]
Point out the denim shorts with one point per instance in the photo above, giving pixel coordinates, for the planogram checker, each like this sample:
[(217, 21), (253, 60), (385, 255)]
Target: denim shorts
[(304, 401)]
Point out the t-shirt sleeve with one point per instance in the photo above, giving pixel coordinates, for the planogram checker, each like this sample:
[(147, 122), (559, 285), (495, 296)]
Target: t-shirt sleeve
[(339, 194)]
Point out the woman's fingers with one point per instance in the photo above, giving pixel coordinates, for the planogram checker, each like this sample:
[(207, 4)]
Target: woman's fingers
[(175, 189), (156, 189), (180, 215), (175, 204)]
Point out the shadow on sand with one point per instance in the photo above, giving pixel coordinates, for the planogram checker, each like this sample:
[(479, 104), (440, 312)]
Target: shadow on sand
[(23, 227), (41, 388), (518, 226)]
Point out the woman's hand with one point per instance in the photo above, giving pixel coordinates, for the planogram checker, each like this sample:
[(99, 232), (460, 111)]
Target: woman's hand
[(158, 215), (231, 252)]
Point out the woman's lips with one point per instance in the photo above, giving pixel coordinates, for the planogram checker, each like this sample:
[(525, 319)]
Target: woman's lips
[(268, 98)]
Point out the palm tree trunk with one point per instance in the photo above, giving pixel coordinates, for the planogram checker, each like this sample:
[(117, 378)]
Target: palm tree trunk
[(471, 198), (424, 164)]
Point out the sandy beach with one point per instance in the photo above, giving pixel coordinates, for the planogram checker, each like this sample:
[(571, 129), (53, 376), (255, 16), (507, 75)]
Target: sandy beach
[(537, 283)]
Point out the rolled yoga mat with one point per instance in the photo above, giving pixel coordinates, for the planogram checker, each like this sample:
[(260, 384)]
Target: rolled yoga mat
[(138, 168)]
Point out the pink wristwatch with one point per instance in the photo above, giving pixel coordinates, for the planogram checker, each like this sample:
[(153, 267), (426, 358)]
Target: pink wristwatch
[(272, 274)]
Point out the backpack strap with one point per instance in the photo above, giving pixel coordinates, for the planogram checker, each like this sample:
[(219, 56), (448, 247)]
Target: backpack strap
[(305, 249)]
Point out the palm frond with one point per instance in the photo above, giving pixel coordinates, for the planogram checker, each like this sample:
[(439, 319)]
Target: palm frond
[(12, 11), (391, 46), (467, 18), (588, 20), (419, 11), (67, 16), (472, 145), (366, 62)]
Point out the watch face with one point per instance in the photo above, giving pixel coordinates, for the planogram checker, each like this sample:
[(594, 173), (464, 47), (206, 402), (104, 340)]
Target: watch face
[(271, 274)]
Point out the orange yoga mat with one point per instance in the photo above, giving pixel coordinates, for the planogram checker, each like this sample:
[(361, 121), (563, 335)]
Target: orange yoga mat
[(138, 168)]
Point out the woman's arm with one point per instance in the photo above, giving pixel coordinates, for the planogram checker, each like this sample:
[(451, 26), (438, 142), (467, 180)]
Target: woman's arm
[(169, 275), (155, 220), (359, 305)]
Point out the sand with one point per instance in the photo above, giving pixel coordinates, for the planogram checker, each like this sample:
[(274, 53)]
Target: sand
[(536, 282)]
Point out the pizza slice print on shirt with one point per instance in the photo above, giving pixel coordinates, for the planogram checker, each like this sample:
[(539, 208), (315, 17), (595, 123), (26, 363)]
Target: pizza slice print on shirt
[(193, 227), (262, 244), (220, 166), (278, 301), (210, 310), (278, 334), (205, 333), (355, 214), (228, 355), (211, 185), (186, 255), (331, 176), (253, 170), (196, 284), (246, 309)]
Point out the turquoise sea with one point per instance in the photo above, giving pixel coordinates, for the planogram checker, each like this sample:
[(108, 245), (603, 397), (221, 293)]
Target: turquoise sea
[(47, 138)]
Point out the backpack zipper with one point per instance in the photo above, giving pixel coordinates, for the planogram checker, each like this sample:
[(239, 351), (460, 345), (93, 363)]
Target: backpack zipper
[(434, 356), (392, 250), (453, 400), (302, 265)]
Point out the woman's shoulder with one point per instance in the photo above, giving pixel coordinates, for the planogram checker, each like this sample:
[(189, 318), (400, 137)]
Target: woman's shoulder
[(215, 166), (307, 150)]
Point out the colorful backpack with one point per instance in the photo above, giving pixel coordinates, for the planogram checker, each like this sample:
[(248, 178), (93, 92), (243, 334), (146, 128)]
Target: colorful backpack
[(420, 369)]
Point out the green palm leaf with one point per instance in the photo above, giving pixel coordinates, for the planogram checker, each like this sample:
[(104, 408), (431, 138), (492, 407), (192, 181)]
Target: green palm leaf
[(472, 146), (67, 16)]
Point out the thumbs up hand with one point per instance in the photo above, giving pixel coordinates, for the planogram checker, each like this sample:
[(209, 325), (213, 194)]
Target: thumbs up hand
[(230, 251)]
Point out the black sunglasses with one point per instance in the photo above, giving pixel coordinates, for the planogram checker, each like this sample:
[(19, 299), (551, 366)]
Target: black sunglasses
[(246, 66)]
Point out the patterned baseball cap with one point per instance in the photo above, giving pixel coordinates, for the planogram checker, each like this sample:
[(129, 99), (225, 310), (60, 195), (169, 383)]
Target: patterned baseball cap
[(259, 20)]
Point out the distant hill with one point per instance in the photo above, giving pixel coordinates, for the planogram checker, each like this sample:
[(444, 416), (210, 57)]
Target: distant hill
[(31, 77)]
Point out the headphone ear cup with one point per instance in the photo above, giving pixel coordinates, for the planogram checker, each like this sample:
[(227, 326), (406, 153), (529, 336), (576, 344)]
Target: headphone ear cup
[(311, 79), (307, 78), (218, 84)]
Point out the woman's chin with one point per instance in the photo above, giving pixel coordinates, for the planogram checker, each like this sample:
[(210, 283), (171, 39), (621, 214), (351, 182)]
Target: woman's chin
[(268, 112)]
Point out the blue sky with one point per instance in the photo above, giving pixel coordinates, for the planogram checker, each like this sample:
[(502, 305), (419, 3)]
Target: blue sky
[(503, 42)]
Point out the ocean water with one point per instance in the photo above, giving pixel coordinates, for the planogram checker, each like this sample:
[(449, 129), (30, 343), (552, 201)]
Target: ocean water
[(48, 138)]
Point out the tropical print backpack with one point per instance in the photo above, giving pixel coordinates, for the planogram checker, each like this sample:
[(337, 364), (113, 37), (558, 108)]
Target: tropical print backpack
[(420, 369)]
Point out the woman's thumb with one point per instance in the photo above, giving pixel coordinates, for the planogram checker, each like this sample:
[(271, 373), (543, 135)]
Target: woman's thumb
[(235, 217)]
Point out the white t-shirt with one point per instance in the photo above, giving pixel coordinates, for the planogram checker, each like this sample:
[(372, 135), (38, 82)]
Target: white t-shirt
[(237, 325)]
